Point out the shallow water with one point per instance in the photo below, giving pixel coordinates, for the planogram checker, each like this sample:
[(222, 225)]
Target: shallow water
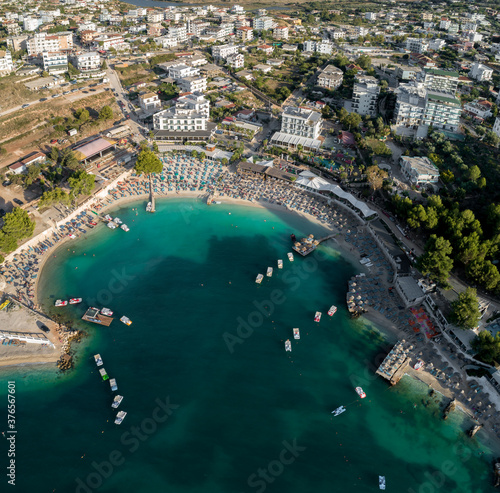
[(214, 402)]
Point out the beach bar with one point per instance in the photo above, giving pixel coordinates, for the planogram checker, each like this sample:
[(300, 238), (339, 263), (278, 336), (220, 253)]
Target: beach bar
[(395, 363), (93, 315)]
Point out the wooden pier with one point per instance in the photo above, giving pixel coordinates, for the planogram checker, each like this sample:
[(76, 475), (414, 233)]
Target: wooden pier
[(93, 315), (308, 245), (395, 363), (151, 194)]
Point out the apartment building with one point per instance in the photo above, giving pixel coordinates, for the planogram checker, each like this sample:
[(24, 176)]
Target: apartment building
[(417, 45), (330, 78), (439, 80), (281, 32), (244, 34), (6, 64), (263, 23), (181, 71), (324, 46), (31, 23), (149, 102), (365, 95), (16, 43), (480, 109), (154, 16), (43, 42), (192, 84), (223, 51), (55, 62), (480, 72), (236, 61), (107, 41), (419, 170), (178, 32), (87, 62)]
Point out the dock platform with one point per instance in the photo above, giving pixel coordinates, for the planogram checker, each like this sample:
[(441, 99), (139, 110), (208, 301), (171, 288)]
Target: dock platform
[(93, 315), (395, 363), (151, 195), (307, 245)]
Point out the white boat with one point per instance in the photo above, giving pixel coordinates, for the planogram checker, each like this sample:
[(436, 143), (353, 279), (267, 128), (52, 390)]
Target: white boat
[(117, 401), (259, 278), (98, 359), (218, 202), (317, 317), (107, 312), (120, 417), (112, 384), (364, 260), (125, 228), (381, 482), (339, 410), (280, 264), (296, 333), (126, 320), (288, 345), (149, 207), (418, 365), (269, 272), (72, 236), (290, 256), (108, 217), (117, 220), (111, 225), (103, 373), (75, 301), (60, 303), (360, 392), (332, 310)]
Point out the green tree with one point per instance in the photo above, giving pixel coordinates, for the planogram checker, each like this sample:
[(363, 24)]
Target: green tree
[(55, 196), (7, 242), (82, 115), (147, 163), (375, 177), (486, 346), (364, 61), (81, 183), (435, 261), (106, 113), (104, 65), (352, 120), (18, 224), (54, 154), (465, 310), (474, 173), (483, 272)]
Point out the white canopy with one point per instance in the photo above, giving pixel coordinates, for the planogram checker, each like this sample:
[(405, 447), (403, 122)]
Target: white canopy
[(312, 181)]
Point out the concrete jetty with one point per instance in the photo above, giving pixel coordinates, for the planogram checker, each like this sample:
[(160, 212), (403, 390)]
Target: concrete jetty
[(395, 363), (307, 245)]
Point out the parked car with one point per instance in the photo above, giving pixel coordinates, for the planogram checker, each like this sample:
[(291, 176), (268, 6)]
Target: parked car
[(18, 202), (53, 141), (6, 183), (24, 105), (43, 99)]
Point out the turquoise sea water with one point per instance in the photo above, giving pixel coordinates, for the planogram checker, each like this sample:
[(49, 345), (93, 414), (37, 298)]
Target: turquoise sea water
[(215, 404)]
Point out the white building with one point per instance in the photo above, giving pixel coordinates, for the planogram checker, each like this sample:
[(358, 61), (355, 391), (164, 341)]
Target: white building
[(480, 109), (324, 46), (236, 61), (223, 51), (371, 16), (436, 44), (417, 45), (31, 23), (330, 77), (280, 32), (480, 72), (419, 170), (107, 41), (365, 95), (444, 24), (178, 32), (6, 65), (155, 16), (86, 62), (244, 34), (149, 102), (55, 62), (182, 71), (41, 42), (192, 84), (439, 80), (263, 23), (166, 42), (496, 126)]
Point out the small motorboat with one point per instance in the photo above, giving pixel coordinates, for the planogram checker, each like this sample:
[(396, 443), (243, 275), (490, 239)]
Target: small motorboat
[(339, 410), (381, 482), (418, 365), (112, 384), (75, 301), (269, 272), (125, 228), (259, 278), (332, 310), (317, 317), (117, 401), (296, 333), (288, 345), (107, 312), (280, 264), (360, 392), (98, 359), (126, 320), (60, 303), (120, 417), (117, 220), (108, 217), (104, 374), (290, 256), (111, 225)]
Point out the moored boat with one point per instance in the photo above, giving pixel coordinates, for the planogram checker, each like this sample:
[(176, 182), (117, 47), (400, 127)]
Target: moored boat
[(317, 317), (112, 225), (296, 333), (381, 482), (149, 207), (269, 272), (125, 228), (112, 384), (360, 392), (75, 301), (126, 320), (332, 310), (108, 217), (280, 264), (117, 401), (107, 312), (288, 345), (290, 256), (259, 278), (339, 410), (60, 303), (98, 359), (120, 417), (117, 220), (103, 373)]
